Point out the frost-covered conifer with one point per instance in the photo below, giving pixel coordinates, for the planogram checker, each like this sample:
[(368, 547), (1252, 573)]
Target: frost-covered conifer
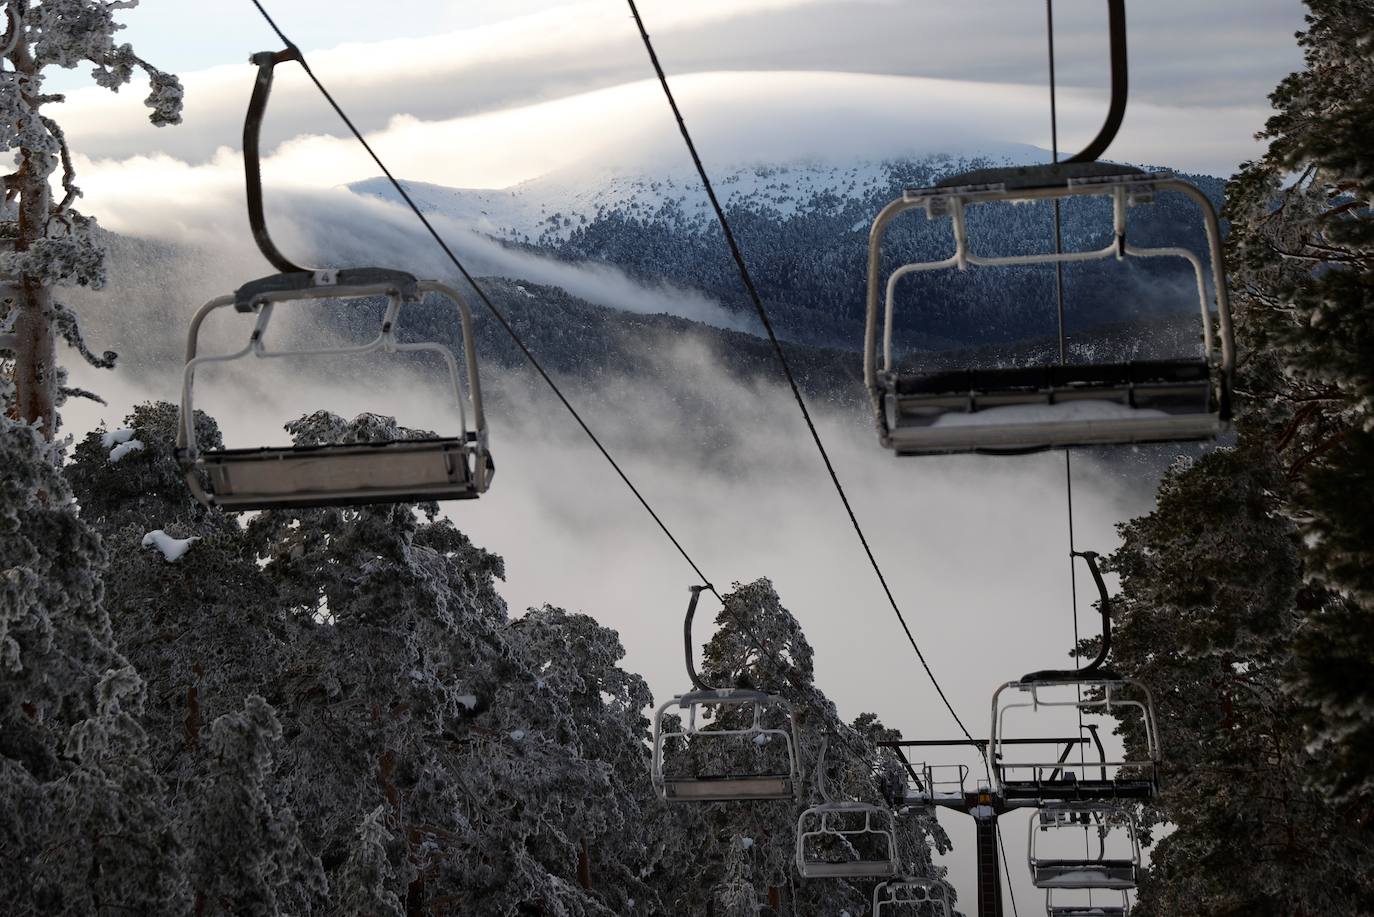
[(46, 243), (1211, 603), (1302, 256), (436, 757), (82, 825)]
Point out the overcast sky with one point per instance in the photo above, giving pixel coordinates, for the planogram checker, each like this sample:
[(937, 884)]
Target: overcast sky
[(490, 93)]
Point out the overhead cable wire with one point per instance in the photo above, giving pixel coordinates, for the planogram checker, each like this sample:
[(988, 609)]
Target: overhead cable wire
[(757, 302), (775, 664), (1063, 353), (1064, 359), (486, 300)]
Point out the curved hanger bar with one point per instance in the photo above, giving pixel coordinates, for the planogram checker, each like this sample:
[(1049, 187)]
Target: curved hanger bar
[(266, 61), (1116, 26), (820, 770), (687, 639), (1104, 606), (1093, 668)]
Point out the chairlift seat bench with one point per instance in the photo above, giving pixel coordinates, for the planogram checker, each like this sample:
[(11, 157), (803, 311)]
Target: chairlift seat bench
[(411, 470), (1069, 790), (1111, 874), (1037, 407), (728, 788)]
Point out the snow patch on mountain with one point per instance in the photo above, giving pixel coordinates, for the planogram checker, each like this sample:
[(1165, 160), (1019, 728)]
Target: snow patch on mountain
[(547, 209)]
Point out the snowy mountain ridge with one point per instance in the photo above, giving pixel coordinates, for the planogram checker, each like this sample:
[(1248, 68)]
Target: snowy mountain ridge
[(547, 209)]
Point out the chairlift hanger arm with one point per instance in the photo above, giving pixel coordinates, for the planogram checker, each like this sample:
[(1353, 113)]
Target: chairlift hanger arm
[(1116, 112), (1104, 606), (1093, 669), (687, 638), (266, 62)]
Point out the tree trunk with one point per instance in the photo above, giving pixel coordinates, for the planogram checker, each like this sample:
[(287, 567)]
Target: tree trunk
[(584, 866), (35, 344)]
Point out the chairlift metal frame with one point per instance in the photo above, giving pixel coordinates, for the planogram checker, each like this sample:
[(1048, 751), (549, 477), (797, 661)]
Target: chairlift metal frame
[(834, 821), (1097, 691), (331, 474), (1113, 873), (775, 785), (929, 896)]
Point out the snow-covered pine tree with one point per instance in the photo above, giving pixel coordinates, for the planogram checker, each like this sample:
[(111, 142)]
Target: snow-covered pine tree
[(726, 847), (82, 826), (1302, 258), (1248, 602), (45, 243), (1209, 607), (436, 757), (206, 628)]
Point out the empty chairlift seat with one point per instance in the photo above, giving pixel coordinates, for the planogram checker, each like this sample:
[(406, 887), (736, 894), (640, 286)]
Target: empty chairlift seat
[(845, 838), (1087, 903), (911, 898), (726, 744), (1019, 409), (1051, 703), (334, 474), (1084, 846)]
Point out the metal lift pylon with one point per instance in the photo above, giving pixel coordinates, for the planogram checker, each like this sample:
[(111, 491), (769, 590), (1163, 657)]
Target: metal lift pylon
[(984, 804)]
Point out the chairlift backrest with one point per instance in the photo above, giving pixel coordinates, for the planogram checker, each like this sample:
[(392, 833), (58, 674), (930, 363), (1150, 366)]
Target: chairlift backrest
[(1011, 410), (457, 466), (911, 897)]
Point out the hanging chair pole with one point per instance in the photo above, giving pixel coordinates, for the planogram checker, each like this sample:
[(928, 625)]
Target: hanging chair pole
[(1116, 26), (266, 61), (687, 639), (1104, 606)]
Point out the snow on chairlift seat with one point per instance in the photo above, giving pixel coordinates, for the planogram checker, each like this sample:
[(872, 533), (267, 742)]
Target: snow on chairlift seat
[(338, 474), (911, 897), (775, 783), (1070, 862), (1010, 410), (1100, 693)]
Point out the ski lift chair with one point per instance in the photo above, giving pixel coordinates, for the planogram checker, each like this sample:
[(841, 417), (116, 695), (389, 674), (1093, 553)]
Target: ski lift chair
[(1078, 845), (911, 897), (1057, 906), (331, 474), (780, 777), (1013, 410), (864, 834), (931, 784), (1091, 690), (409, 470)]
